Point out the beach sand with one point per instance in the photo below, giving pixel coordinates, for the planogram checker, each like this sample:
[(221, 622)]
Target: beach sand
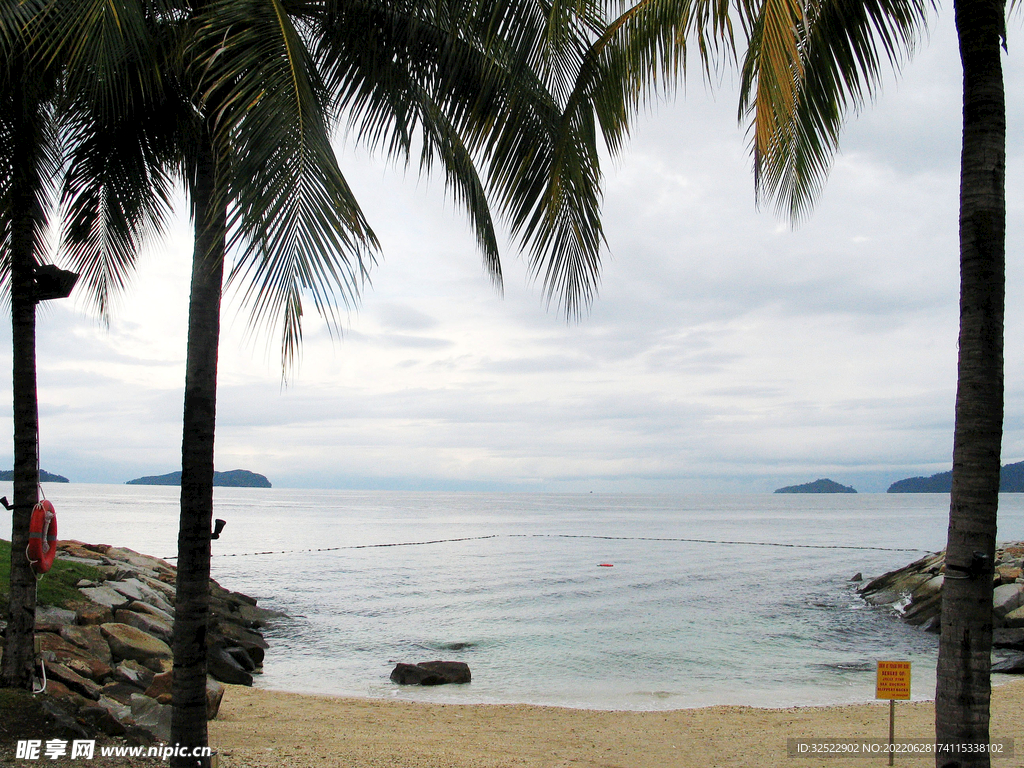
[(264, 729)]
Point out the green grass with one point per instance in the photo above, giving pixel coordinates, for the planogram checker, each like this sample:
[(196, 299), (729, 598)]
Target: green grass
[(56, 587)]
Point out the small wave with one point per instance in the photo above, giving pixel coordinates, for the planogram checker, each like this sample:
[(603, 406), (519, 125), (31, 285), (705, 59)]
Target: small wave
[(846, 666), (458, 645)]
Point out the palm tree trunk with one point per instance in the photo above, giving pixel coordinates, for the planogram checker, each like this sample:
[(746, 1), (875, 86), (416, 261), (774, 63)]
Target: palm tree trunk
[(965, 646), (19, 645), (192, 603)]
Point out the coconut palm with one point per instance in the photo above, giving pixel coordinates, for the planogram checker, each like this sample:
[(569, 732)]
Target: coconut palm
[(478, 87), (59, 137), (806, 66), (798, 84)]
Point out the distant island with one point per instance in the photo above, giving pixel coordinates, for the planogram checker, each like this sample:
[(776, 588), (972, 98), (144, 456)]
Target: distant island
[(44, 477), (236, 478), (824, 485), (1011, 480)]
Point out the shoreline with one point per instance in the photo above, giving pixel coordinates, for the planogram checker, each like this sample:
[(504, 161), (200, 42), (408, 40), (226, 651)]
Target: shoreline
[(257, 728)]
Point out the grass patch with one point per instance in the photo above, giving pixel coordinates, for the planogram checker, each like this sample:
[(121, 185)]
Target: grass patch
[(56, 587)]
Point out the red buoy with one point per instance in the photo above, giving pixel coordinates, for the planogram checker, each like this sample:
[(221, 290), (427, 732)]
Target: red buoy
[(42, 536), (606, 565)]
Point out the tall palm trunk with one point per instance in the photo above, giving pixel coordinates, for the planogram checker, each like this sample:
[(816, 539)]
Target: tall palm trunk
[(19, 648), (191, 606), (965, 646)]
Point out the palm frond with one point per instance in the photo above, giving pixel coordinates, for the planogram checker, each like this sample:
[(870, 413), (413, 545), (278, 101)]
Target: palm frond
[(296, 225), (493, 72), (797, 103), (116, 193)]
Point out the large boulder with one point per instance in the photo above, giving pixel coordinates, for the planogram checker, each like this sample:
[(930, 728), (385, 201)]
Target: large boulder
[(89, 639), (105, 596), (133, 588), (1008, 638), (74, 681), (133, 673), (223, 667), (53, 616), (1005, 599), (151, 625), (152, 717), (127, 642), (214, 696), (431, 673), (1015, 618), (1011, 666)]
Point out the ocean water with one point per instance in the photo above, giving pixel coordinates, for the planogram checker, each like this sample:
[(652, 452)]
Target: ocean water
[(710, 599)]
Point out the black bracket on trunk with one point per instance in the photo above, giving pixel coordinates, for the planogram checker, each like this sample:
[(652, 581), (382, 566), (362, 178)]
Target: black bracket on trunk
[(52, 282), (979, 566)]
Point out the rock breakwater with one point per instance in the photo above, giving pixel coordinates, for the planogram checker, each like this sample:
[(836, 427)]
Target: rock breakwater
[(914, 592), (107, 656)]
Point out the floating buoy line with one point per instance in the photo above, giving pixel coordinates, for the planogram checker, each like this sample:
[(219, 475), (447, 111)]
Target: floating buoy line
[(568, 536)]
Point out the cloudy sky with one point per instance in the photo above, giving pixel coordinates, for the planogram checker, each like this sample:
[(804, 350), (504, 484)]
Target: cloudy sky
[(726, 351)]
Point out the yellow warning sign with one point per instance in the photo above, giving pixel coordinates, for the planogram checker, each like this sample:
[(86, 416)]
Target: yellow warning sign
[(893, 681)]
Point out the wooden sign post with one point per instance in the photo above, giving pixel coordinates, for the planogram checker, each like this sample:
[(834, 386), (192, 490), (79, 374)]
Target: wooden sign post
[(892, 682)]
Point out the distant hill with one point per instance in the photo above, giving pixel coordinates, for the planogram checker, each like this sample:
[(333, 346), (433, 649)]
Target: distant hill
[(1011, 480), (824, 485), (44, 477), (236, 478)]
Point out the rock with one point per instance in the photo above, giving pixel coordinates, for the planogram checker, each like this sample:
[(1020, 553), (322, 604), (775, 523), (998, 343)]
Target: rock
[(1015, 618), (1011, 666), (49, 641), (89, 639), (63, 722), (158, 665), (120, 692), (858, 576), (86, 666), (48, 614), (102, 719), (133, 673), (214, 696), (134, 589), (57, 690), (1008, 638), (161, 684), (152, 716), (1009, 573), (226, 669), (1006, 598), (151, 625), (240, 656), (153, 611), (105, 596), (74, 681), (431, 673), (94, 614), (232, 634), (128, 642)]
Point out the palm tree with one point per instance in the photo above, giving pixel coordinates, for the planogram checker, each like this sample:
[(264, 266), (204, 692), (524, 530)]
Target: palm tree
[(480, 87), (56, 121), (806, 65), (798, 93)]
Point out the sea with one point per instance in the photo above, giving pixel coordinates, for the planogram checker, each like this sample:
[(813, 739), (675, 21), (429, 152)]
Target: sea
[(597, 601)]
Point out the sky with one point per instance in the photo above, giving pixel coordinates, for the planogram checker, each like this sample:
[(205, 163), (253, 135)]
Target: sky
[(727, 351)]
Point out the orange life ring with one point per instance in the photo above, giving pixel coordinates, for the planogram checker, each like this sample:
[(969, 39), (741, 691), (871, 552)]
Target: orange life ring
[(42, 536)]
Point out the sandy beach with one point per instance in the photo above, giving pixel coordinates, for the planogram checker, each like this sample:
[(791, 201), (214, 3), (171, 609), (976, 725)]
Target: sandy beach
[(261, 729)]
